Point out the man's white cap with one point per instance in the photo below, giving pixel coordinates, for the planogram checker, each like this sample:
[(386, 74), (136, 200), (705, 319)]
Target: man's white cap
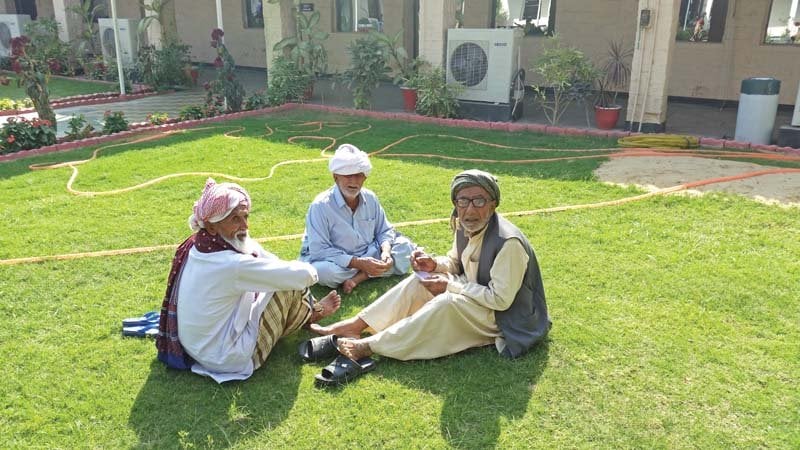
[(349, 160)]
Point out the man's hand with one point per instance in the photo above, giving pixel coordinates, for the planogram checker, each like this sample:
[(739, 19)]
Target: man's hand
[(421, 262), (435, 284), (371, 266)]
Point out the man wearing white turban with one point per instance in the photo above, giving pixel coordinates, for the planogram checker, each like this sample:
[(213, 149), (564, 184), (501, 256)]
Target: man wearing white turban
[(228, 300), (348, 238), (486, 290)]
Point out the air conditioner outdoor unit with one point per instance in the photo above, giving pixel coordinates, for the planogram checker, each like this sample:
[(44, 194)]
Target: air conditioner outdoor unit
[(128, 40), (11, 26), (485, 61)]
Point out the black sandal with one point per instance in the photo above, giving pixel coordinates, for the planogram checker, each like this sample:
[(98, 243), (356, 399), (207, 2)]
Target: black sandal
[(318, 348), (343, 370)]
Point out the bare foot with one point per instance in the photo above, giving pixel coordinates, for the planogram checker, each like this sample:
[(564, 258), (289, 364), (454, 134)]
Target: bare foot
[(349, 285), (346, 328), (354, 349), (329, 304)]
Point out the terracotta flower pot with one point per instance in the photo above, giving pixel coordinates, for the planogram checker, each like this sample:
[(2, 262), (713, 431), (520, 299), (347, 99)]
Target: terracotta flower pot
[(409, 99), (606, 118)]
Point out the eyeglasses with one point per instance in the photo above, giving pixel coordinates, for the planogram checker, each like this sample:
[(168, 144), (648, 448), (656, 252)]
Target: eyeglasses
[(478, 202)]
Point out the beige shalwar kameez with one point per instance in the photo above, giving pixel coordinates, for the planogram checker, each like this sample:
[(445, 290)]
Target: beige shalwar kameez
[(410, 323)]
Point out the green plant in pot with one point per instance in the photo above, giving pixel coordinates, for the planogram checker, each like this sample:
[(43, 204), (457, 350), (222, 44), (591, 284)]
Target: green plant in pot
[(305, 47), (615, 73), (367, 68), (567, 76), (406, 70)]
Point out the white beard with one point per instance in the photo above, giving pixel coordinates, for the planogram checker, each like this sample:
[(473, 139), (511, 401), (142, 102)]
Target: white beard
[(243, 243)]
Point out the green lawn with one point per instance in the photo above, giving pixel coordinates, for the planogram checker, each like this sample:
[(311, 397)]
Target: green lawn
[(59, 87), (675, 319)]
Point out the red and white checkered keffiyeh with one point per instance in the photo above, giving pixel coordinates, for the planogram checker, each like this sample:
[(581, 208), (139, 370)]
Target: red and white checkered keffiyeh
[(216, 203)]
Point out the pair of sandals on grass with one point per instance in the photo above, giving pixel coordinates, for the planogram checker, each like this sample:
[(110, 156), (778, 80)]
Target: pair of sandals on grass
[(341, 370), (145, 325)]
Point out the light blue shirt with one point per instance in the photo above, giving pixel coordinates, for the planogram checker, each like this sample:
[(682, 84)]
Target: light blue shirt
[(335, 233)]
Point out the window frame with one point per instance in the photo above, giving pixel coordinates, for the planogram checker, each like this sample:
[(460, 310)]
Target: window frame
[(250, 19), (796, 36), (352, 26)]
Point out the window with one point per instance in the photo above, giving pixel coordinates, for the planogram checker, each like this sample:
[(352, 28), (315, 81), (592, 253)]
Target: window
[(702, 20), (359, 15), (536, 17), (26, 7), (253, 14), (784, 23)]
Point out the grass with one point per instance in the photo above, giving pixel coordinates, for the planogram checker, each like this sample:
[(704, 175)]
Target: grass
[(675, 318), (59, 87)]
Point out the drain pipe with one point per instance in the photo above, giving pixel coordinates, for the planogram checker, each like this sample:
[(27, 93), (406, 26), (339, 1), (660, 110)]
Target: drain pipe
[(120, 70), (639, 45)]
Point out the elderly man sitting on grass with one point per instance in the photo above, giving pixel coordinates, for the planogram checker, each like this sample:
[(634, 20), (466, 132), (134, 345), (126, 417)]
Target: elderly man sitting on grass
[(228, 300), (487, 290), (348, 238)]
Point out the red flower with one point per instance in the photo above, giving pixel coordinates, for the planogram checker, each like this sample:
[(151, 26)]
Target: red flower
[(216, 34), (18, 45), (54, 65), (218, 62), (11, 139)]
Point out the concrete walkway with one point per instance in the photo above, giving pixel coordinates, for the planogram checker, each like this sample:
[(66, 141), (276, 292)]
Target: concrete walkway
[(714, 119)]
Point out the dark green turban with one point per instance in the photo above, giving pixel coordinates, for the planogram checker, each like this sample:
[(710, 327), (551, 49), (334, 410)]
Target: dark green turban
[(474, 177)]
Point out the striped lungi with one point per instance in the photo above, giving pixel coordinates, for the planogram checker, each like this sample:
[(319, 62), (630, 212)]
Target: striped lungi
[(286, 312)]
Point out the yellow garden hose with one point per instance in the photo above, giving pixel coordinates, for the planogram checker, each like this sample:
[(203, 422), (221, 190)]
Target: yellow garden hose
[(659, 141)]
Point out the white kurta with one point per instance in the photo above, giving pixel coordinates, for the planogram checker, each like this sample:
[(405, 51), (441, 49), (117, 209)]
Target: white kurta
[(221, 296), (411, 323)]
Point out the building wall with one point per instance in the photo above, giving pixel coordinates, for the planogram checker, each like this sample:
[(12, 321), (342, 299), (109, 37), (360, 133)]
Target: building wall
[(195, 20), (716, 70), (698, 70)]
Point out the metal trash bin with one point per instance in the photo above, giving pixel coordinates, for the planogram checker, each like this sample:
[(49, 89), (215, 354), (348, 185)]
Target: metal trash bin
[(758, 107)]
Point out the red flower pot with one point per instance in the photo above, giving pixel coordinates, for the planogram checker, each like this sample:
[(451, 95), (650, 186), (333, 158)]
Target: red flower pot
[(606, 118), (409, 99)]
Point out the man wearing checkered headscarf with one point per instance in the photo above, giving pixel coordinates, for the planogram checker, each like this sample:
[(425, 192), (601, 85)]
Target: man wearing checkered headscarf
[(348, 237), (228, 300)]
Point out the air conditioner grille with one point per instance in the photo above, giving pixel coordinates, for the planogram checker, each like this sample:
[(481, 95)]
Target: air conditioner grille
[(5, 35), (469, 64)]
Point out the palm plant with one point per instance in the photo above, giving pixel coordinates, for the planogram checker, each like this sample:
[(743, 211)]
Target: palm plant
[(87, 14), (154, 13), (616, 71)]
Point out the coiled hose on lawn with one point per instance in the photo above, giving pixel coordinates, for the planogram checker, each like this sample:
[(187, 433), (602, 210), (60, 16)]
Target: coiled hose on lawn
[(659, 141)]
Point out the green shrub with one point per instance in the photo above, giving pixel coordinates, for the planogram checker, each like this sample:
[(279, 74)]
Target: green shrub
[(78, 128), (114, 122), (367, 68), (436, 97), (164, 67), (191, 112), (158, 118), (23, 134), (287, 82), (256, 100)]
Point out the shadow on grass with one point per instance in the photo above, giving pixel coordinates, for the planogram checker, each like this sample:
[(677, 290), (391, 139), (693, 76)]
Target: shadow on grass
[(480, 390), (180, 409)]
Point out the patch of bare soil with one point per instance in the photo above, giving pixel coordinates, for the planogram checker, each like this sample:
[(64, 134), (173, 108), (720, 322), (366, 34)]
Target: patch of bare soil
[(660, 172)]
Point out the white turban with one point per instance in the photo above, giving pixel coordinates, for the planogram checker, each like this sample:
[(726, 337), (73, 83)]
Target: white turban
[(216, 203), (349, 160)]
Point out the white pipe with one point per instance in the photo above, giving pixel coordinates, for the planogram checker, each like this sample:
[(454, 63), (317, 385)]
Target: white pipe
[(219, 15), (120, 71), (632, 101)]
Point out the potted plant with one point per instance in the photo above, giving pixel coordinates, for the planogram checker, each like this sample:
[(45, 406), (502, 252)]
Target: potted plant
[(614, 75), (305, 47), (437, 97), (406, 69), (367, 68), (567, 75)]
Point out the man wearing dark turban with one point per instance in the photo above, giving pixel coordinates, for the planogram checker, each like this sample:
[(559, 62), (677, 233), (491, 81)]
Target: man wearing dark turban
[(487, 290)]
